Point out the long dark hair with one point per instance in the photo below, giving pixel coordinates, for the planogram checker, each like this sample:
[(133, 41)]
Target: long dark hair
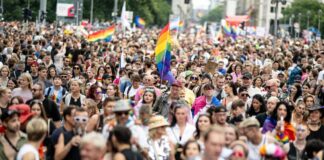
[(274, 114), (174, 107), (151, 90), (298, 92), (198, 133), (92, 92), (261, 100)]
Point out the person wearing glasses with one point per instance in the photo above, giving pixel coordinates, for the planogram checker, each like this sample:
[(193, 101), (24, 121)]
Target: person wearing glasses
[(67, 138), (51, 109), (122, 112), (77, 70)]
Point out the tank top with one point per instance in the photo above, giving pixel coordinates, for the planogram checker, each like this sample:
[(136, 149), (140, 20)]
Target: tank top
[(131, 155), (26, 148)]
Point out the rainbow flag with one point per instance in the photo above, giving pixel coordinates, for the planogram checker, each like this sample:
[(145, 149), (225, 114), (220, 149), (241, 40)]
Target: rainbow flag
[(139, 22), (163, 55), (227, 29), (105, 34)]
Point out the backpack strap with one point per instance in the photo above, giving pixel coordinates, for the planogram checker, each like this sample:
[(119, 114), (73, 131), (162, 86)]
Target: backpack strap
[(48, 92), (128, 90)]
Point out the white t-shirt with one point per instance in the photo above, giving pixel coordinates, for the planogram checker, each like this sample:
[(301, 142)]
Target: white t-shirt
[(132, 91), (26, 148)]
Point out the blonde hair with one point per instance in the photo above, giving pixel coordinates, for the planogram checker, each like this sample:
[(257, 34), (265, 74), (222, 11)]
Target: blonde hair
[(91, 106), (5, 67), (3, 90), (95, 139), (36, 129), (76, 80), (29, 79), (152, 132)]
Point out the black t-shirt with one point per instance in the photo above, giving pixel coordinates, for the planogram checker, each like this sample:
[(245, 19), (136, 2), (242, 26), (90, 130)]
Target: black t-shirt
[(75, 102), (51, 109), (131, 155), (318, 135), (261, 118), (68, 135)]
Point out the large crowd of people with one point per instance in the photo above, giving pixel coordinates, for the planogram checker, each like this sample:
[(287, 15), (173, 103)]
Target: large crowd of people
[(62, 97)]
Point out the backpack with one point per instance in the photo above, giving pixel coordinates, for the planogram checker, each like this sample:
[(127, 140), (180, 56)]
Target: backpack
[(50, 89)]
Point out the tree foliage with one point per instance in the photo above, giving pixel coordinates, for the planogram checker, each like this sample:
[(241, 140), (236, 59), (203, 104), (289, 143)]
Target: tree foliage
[(215, 15), (301, 7), (152, 11)]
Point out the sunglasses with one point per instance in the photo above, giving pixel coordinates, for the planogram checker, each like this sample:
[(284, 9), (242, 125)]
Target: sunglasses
[(194, 78), (97, 92), (77, 68), (81, 119), (229, 79), (122, 113), (245, 94), (149, 89), (238, 154)]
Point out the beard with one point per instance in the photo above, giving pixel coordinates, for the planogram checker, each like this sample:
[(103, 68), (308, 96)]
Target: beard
[(13, 129)]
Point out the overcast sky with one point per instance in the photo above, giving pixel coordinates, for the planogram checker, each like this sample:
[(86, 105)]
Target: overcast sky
[(200, 4)]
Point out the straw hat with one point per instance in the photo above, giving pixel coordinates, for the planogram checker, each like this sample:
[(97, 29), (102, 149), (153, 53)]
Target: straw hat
[(157, 121)]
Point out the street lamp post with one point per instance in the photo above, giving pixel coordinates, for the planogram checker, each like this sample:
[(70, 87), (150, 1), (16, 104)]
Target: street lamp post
[(276, 2), (319, 20), (292, 24), (308, 14), (300, 26), (91, 12)]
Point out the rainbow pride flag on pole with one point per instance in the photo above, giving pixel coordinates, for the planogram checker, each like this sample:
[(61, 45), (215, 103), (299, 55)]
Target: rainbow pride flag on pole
[(105, 34), (139, 22), (163, 55)]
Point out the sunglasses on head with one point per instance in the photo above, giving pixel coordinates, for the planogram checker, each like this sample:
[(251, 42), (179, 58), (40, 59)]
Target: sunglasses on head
[(122, 113), (81, 119)]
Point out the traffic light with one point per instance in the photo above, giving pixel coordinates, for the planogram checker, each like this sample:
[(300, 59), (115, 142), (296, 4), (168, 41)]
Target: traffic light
[(187, 1)]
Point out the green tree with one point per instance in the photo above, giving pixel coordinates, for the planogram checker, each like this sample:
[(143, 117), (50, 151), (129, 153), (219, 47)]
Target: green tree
[(215, 15), (152, 11), (302, 7)]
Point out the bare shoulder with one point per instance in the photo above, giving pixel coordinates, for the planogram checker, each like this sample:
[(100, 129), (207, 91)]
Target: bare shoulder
[(119, 156), (29, 156)]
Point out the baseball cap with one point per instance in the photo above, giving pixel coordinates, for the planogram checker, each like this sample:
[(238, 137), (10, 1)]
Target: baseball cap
[(247, 75), (122, 105), (249, 122), (220, 109), (8, 114)]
